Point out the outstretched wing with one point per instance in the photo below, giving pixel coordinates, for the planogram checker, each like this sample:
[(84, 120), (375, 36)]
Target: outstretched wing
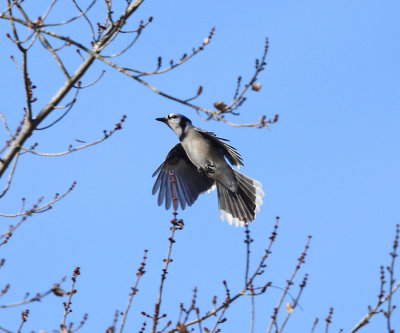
[(229, 152), (189, 183)]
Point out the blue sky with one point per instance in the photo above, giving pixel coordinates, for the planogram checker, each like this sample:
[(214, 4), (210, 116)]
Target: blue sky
[(329, 167)]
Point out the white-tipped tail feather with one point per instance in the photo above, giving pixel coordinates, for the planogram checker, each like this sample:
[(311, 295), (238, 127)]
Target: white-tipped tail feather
[(240, 208)]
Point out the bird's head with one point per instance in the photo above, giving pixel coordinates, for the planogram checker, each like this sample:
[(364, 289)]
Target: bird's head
[(177, 122)]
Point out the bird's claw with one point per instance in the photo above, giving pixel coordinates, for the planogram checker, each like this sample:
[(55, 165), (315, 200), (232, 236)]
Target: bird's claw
[(210, 168)]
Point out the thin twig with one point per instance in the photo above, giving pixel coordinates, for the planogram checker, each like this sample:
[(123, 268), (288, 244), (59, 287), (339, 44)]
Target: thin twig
[(291, 307), (134, 291), (61, 93), (247, 241), (83, 321), (134, 40), (107, 135), (5, 330), (67, 304), (382, 299), (314, 325), (300, 260), (220, 317), (44, 16), (40, 209), (24, 316), (47, 45), (93, 82), (328, 320), (394, 255), (258, 271), (69, 107), (6, 126), (262, 123), (252, 321), (176, 225), (71, 19), (37, 298), (83, 13), (10, 176)]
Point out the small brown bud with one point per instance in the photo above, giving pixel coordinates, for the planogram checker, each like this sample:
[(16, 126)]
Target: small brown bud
[(219, 105), (256, 86), (289, 307), (57, 290), (38, 22), (182, 328), (64, 330)]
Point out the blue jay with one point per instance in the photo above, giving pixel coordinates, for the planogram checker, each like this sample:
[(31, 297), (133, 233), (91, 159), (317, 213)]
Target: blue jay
[(199, 164)]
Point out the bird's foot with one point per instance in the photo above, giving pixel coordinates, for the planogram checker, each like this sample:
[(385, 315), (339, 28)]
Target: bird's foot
[(210, 168)]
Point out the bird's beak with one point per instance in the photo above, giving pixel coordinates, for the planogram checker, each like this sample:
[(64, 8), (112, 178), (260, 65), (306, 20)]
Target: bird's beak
[(163, 120)]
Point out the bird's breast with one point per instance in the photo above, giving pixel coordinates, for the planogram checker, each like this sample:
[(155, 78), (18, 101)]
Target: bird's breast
[(198, 150)]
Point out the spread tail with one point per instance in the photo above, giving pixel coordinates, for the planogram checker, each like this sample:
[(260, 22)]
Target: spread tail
[(240, 208)]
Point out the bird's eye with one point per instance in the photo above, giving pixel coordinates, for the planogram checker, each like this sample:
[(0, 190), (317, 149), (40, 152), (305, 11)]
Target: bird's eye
[(173, 116)]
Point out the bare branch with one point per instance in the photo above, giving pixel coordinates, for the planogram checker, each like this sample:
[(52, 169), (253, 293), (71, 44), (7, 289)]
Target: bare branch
[(328, 320), (11, 18), (10, 176), (5, 330), (381, 298), (24, 316), (6, 126), (134, 291), (37, 298), (107, 134), (258, 271), (176, 225), (83, 13), (291, 307), (9, 6), (80, 71), (314, 325), (252, 310), (73, 18), (47, 45), (36, 209), (83, 321), (93, 82), (247, 241), (28, 88), (393, 254), (217, 115), (67, 304), (300, 261), (48, 10), (138, 33), (69, 107), (260, 65)]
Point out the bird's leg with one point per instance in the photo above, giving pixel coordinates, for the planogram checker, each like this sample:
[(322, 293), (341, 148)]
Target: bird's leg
[(210, 168), (201, 170)]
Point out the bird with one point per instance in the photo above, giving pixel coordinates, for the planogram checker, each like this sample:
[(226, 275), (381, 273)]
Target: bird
[(199, 163)]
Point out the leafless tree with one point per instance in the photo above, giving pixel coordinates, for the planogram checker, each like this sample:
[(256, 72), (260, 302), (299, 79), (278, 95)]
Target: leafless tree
[(25, 32), (38, 34)]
